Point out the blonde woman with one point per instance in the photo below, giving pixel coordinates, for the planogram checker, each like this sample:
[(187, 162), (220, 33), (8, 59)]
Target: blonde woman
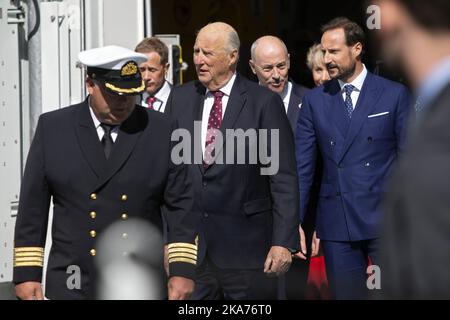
[(315, 63)]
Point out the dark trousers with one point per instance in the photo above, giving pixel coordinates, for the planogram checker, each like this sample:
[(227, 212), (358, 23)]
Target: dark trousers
[(346, 264), (293, 284), (214, 283)]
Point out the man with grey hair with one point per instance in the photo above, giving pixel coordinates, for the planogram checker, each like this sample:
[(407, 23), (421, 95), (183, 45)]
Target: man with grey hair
[(248, 230), (270, 62)]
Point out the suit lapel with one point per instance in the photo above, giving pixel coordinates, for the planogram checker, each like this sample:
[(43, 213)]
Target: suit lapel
[(88, 140), (367, 100), (293, 108), (129, 133), (197, 116), (337, 114)]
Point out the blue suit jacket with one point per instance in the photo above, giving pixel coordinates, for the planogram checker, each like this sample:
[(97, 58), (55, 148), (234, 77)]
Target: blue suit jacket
[(357, 154)]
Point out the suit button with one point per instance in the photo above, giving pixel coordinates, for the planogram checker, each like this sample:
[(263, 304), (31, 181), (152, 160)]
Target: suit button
[(124, 197), (93, 233), (205, 183), (369, 139), (339, 167), (124, 216), (93, 196), (333, 143), (206, 215), (93, 252), (367, 164), (93, 214)]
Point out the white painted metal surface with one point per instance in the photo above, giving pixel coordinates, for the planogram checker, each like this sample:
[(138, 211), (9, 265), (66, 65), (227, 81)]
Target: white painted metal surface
[(10, 130)]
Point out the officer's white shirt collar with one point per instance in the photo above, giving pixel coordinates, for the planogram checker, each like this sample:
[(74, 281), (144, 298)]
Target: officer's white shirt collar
[(99, 129), (162, 96), (357, 83)]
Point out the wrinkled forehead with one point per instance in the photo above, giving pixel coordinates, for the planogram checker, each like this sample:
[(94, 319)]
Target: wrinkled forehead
[(271, 55), (212, 40)]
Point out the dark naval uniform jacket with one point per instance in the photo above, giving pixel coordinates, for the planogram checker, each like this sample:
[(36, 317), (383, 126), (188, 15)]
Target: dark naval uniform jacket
[(66, 161)]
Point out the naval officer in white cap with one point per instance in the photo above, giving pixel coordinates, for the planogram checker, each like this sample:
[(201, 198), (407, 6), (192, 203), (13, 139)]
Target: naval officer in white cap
[(103, 160)]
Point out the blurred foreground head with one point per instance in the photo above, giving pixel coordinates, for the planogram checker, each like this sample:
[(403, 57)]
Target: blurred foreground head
[(415, 35), (130, 264)]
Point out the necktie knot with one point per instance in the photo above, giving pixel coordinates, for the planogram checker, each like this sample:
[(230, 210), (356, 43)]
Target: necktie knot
[(150, 101), (348, 89), (218, 95), (107, 128)]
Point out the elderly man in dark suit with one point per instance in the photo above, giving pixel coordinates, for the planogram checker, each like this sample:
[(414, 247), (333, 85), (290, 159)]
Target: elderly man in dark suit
[(357, 123), (103, 160), (415, 257), (250, 220), (270, 62)]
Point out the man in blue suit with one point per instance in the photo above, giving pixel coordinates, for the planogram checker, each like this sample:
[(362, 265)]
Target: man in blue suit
[(357, 123)]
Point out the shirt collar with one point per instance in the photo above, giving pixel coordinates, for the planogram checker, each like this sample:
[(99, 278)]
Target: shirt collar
[(97, 122), (434, 82), (94, 117), (162, 94), (286, 94), (226, 89), (358, 81)]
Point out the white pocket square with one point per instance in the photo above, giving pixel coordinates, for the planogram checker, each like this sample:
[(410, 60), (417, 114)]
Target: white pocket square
[(378, 114)]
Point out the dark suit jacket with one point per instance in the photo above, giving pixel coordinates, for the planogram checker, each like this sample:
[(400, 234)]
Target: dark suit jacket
[(66, 161), (357, 155), (244, 212), (295, 101), (415, 254)]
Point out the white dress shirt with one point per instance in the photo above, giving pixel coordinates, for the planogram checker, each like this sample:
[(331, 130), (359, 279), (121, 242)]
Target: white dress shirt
[(357, 83), (99, 129), (208, 104), (161, 98), (286, 95)]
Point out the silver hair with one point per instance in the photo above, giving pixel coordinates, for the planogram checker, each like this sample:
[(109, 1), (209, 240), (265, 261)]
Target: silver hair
[(233, 42)]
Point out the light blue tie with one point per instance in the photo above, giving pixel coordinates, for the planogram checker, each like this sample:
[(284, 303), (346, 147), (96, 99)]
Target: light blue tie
[(348, 89), (418, 105)]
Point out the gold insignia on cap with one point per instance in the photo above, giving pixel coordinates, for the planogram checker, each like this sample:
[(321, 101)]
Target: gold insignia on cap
[(120, 90), (129, 69)]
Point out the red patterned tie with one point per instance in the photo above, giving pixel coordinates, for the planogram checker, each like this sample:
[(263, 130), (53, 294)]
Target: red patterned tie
[(214, 124), (150, 101)]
